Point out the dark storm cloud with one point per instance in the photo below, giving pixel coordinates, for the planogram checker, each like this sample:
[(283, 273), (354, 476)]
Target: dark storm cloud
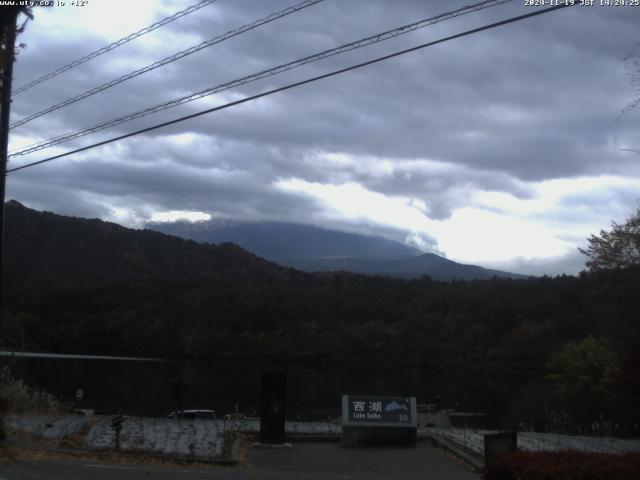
[(527, 102), (230, 194)]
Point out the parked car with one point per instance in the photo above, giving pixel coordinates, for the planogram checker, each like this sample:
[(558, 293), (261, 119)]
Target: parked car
[(89, 412), (194, 414), (239, 416)]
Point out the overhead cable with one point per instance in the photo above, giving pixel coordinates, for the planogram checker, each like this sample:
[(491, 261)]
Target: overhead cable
[(170, 59), (262, 74), (294, 85), (113, 45)]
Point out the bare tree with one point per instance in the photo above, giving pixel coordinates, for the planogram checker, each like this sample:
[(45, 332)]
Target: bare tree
[(632, 62)]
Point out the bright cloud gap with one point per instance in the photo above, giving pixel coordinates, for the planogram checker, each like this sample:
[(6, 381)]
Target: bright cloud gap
[(180, 215)]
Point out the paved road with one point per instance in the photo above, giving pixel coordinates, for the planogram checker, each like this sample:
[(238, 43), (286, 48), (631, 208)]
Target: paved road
[(303, 461)]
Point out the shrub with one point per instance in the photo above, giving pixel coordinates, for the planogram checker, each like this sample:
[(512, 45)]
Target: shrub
[(567, 464), (20, 398), (586, 367)]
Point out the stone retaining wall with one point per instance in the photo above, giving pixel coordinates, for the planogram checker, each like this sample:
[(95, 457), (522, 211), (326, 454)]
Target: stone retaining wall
[(474, 440), (198, 439)]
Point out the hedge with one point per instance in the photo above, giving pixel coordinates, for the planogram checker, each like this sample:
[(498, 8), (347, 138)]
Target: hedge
[(565, 465)]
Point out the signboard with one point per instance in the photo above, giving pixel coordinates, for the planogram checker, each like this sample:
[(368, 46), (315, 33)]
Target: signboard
[(367, 410)]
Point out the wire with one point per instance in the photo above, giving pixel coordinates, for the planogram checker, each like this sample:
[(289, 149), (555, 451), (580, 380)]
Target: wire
[(169, 59), (262, 74), (113, 45), (296, 84)]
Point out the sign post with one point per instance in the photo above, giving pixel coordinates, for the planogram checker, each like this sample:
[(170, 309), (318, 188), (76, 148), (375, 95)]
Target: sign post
[(378, 421), (116, 425)]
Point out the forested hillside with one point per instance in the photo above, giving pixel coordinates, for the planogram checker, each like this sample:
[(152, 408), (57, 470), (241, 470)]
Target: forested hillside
[(44, 250), (85, 286), (90, 286)]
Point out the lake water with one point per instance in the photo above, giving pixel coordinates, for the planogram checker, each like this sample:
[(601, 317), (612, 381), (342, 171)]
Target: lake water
[(142, 386)]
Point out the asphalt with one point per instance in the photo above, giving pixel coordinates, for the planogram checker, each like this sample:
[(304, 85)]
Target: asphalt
[(320, 461), (331, 461)]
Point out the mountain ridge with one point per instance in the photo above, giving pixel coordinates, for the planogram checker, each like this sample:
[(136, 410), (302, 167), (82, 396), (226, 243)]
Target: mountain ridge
[(270, 239), (311, 249), (45, 250)]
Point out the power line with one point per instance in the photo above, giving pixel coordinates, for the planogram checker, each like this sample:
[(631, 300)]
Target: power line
[(113, 45), (262, 74), (296, 84), (170, 59)]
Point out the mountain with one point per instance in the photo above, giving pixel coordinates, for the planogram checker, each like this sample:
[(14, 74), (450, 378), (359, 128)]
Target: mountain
[(45, 250), (310, 249), (277, 241)]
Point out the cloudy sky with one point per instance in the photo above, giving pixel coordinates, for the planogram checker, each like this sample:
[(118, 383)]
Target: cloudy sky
[(505, 148)]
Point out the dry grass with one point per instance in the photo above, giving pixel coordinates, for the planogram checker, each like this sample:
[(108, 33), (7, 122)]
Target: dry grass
[(17, 397), (6, 455)]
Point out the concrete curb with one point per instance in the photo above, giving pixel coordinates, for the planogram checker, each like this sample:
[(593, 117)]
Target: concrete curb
[(269, 446), (474, 461), (302, 437), (313, 438)]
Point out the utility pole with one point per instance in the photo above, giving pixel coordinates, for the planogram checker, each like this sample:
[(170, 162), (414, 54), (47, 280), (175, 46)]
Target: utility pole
[(8, 24)]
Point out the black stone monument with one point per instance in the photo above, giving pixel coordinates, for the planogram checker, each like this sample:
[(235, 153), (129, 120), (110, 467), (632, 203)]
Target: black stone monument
[(497, 444), (272, 407)]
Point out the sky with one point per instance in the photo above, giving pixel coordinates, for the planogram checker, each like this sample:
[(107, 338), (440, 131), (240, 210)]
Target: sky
[(506, 148)]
